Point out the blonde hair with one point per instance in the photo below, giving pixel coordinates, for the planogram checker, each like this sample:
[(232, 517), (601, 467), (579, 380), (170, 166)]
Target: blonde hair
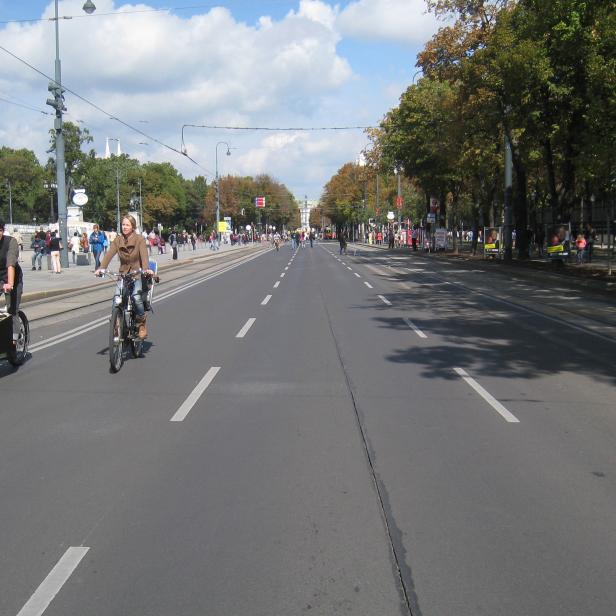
[(131, 219)]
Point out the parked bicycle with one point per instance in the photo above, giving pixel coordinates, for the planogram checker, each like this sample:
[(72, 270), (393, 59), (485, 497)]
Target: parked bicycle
[(123, 327), (14, 335)]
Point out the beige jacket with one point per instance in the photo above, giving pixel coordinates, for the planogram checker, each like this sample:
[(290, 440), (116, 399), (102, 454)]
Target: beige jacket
[(131, 251)]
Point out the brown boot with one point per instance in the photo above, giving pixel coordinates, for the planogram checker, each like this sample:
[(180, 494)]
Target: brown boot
[(143, 332)]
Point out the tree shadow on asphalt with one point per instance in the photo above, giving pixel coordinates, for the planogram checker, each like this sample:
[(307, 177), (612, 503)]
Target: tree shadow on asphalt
[(473, 332)]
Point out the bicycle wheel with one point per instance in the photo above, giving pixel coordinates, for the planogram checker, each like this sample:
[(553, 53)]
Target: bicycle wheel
[(17, 354), (116, 339)]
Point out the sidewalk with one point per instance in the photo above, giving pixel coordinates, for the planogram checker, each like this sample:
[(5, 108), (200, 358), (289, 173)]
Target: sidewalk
[(45, 284)]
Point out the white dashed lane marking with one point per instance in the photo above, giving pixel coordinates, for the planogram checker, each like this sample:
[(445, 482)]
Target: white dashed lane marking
[(488, 397), (195, 394), (52, 584), (246, 327), (266, 300), (415, 328)]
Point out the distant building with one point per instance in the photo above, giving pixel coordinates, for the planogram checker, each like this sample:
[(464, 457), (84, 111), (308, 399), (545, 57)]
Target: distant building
[(305, 207)]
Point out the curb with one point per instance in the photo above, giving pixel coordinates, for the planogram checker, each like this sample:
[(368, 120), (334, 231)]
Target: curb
[(35, 296)]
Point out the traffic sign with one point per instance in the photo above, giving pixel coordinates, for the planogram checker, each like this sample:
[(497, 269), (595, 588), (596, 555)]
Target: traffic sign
[(390, 215), (399, 202), (259, 202)]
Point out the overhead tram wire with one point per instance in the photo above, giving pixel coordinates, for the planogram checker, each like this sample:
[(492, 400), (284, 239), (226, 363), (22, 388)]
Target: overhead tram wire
[(209, 5), (109, 115), (6, 100), (273, 129)]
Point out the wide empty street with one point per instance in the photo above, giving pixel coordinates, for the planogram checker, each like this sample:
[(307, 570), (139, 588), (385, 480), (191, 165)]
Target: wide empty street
[(375, 433)]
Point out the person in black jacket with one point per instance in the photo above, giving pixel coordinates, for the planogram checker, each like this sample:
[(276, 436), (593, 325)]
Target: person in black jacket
[(11, 277)]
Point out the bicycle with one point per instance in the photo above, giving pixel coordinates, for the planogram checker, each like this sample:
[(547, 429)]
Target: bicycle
[(14, 335), (123, 327)]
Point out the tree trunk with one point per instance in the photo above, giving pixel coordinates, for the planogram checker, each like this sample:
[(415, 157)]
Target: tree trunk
[(520, 206)]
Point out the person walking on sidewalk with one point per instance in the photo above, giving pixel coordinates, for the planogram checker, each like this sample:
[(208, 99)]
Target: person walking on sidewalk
[(38, 248), (73, 245), (97, 241), (55, 246), (591, 237), (20, 242)]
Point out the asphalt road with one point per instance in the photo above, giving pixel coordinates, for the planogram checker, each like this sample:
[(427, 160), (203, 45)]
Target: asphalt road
[(367, 434)]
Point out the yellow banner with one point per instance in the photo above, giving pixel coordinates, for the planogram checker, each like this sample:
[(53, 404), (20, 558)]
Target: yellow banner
[(490, 246), (222, 226), (553, 249)]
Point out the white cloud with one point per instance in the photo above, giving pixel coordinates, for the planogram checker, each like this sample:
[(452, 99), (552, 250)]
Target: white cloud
[(403, 21), (210, 69)]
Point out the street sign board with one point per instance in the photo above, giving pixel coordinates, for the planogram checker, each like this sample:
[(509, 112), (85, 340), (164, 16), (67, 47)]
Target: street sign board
[(431, 217)]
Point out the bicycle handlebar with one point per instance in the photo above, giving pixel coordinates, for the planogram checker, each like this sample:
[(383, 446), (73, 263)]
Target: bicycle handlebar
[(133, 274)]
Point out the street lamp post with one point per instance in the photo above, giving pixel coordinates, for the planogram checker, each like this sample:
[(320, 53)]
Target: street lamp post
[(218, 183), (50, 186), (58, 104), (398, 173), (8, 184), (118, 223), (141, 206)]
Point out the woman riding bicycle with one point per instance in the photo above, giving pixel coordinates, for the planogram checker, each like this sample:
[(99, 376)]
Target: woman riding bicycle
[(133, 255)]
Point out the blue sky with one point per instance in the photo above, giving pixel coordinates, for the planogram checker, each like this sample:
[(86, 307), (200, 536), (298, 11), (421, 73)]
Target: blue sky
[(242, 63)]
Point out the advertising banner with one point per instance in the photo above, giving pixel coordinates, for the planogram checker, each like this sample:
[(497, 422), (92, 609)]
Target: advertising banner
[(440, 239), (559, 241), (492, 241)]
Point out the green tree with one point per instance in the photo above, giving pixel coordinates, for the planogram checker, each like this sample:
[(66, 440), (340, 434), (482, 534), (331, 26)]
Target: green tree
[(23, 171)]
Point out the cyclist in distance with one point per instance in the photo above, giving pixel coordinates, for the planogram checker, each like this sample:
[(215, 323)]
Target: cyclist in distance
[(10, 271), (133, 255)]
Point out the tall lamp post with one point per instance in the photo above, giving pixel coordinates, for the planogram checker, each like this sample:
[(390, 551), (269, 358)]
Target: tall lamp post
[(50, 186), (398, 173), (8, 185), (118, 222), (218, 183), (57, 102)]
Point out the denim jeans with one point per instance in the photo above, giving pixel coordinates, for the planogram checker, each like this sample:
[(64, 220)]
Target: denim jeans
[(137, 299), (37, 256)]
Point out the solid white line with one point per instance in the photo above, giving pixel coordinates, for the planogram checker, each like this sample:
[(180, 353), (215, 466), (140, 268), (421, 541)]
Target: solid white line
[(384, 300), (282, 275), (246, 327), (196, 393), (82, 329), (414, 328), (267, 299), (489, 398), (277, 284), (357, 275), (368, 285), (52, 584), (44, 344)]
